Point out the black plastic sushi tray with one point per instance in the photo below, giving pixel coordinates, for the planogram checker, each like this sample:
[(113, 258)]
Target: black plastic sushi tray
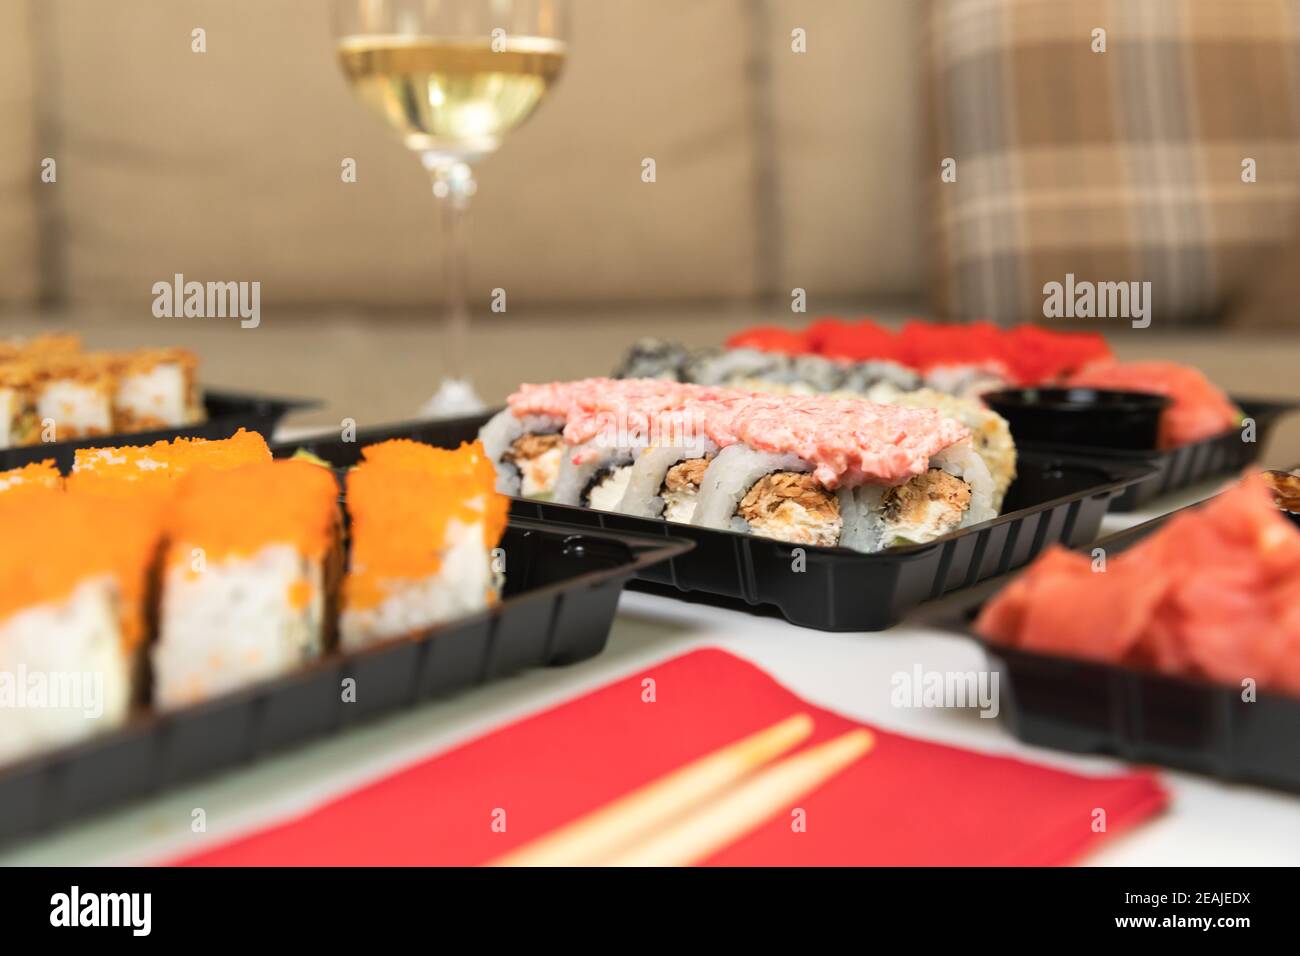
[(562, 588), (227, 412), (1175, 469), (1138, 715), (1057, 497)]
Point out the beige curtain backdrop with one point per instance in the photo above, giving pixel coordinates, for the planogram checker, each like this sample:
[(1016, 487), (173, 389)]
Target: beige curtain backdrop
[(19, 161), (775, 169)]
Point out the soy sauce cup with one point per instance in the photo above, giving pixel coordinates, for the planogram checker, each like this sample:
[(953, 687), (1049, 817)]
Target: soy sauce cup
[(1087, 417)]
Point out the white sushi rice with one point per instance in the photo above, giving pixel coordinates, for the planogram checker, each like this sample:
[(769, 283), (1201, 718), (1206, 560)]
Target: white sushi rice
[(499, 434), (461, 587), (860, 512), (159, 393), (645, 496), (75, 408), (72, 650), (227, 624)]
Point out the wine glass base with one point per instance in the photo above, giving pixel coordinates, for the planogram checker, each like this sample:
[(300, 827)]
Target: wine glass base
[(455, 398)]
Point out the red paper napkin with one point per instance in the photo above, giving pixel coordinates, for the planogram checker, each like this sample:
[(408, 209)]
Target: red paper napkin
[(908, 802)]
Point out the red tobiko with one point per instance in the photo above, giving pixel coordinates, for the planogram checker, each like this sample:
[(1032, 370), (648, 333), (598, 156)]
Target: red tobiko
[(771, 338)]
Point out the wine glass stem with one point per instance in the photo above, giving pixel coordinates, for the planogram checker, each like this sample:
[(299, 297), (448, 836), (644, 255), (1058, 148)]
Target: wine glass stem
[(453, 185)]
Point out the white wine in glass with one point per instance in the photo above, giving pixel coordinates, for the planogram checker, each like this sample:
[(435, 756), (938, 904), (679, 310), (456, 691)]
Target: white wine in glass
[(452, 77), (453, 97)]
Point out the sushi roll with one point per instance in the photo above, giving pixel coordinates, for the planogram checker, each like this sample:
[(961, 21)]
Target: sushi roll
[(424, 523), (990, 432), (19, 424), (653, 358), (818, 373), (665, 481), (527, 451), (38, 475), (966, 381), (75, 394), (738, 366), (156, 388), (769, 494), (657, 426), (50, 381), (252, 556), (73, 580), (845, 472), (861, 377), (1284, 486), (594, 476), (955, 492), (526, 442)]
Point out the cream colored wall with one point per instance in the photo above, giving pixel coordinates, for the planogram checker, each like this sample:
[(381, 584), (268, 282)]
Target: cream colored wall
[(19, 162), (225, 165)]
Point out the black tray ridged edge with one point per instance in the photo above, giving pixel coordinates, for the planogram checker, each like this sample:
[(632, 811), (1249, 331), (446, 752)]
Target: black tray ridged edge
[(1220, 457), (832, 594), (554, 624), (228, 411), (1144, 716)]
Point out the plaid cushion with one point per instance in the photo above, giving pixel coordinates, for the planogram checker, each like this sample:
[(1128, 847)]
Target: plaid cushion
[(1115, 166)]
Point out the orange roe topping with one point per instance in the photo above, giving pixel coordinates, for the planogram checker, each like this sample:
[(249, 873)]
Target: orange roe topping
[(300, 593), (38, 475), (151, 490), (240, 511), (242, 448), (127, 462), (403, 497), (174, 458), (54, 542)]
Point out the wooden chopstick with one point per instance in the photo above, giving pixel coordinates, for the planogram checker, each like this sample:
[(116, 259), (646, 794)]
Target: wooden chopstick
[(588, 840), (704, 832)]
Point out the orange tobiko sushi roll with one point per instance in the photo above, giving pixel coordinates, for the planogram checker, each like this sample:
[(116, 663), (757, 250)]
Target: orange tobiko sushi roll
[(246, 579), (74, 578), (425, 522)]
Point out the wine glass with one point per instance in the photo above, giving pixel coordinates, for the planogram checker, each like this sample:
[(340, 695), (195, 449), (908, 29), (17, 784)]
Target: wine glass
[(452, 77)]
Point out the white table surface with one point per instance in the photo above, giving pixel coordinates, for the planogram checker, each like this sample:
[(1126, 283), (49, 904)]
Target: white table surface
[(1208, 823)]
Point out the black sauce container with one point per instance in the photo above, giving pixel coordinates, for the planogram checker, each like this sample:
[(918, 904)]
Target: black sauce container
[(1081, 417)]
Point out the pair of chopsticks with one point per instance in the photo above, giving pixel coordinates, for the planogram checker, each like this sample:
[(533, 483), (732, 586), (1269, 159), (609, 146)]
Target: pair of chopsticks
[(687, 815)]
